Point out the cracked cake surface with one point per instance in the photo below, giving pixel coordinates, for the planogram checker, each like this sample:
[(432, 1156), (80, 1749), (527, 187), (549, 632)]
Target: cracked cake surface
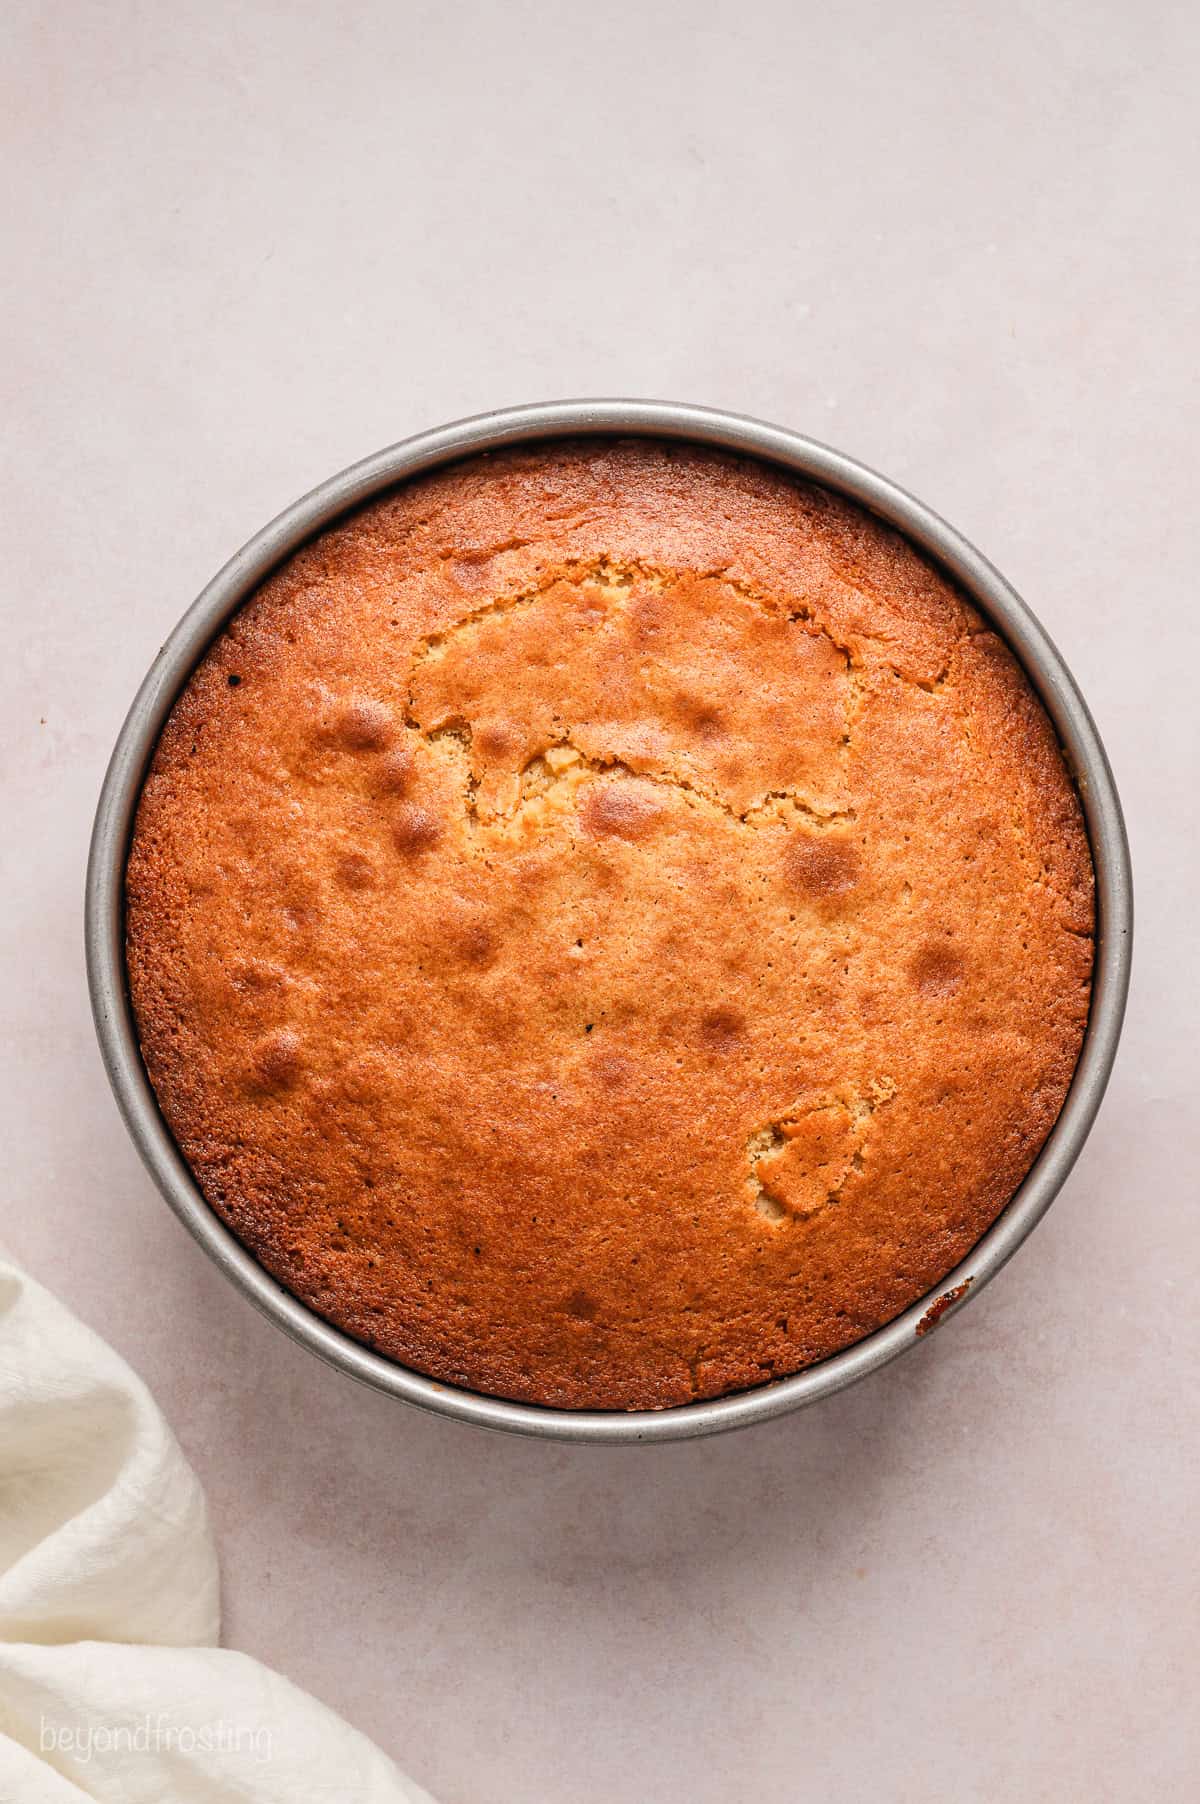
[(608, 924)]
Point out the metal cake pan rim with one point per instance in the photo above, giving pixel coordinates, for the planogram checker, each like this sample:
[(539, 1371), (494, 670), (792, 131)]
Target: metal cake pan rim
[(340, 494)]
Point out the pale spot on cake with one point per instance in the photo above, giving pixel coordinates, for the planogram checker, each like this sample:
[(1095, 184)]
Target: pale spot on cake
[(685, 677)]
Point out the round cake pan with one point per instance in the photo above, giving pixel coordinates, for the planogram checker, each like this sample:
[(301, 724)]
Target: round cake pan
[(988, 590)]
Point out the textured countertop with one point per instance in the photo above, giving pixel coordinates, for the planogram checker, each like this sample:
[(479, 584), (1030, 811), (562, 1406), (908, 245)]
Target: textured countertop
[(248, 244)]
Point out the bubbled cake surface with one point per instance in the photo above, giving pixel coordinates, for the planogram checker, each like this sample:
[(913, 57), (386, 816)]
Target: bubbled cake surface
[(609, 925)]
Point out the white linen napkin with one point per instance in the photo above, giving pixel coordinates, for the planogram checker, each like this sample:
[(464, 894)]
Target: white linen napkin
[(112, 1686)]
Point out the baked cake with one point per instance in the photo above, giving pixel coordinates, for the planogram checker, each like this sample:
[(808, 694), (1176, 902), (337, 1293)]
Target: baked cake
[(608, 924)]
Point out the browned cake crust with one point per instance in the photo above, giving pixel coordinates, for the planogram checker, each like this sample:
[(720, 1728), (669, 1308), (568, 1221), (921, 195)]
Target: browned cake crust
[(608, 925)]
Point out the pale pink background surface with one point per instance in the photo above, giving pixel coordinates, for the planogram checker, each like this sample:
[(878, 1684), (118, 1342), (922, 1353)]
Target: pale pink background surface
[(246, 244)]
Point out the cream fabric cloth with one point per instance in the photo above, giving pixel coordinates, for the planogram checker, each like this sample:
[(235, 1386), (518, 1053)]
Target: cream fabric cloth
[(111, 1683)]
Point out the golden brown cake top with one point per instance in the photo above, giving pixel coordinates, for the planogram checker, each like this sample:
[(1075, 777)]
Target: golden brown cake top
[(608, 924)]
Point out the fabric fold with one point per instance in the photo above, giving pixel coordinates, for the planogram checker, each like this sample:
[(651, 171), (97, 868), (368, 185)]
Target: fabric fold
[(112, 1686)]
